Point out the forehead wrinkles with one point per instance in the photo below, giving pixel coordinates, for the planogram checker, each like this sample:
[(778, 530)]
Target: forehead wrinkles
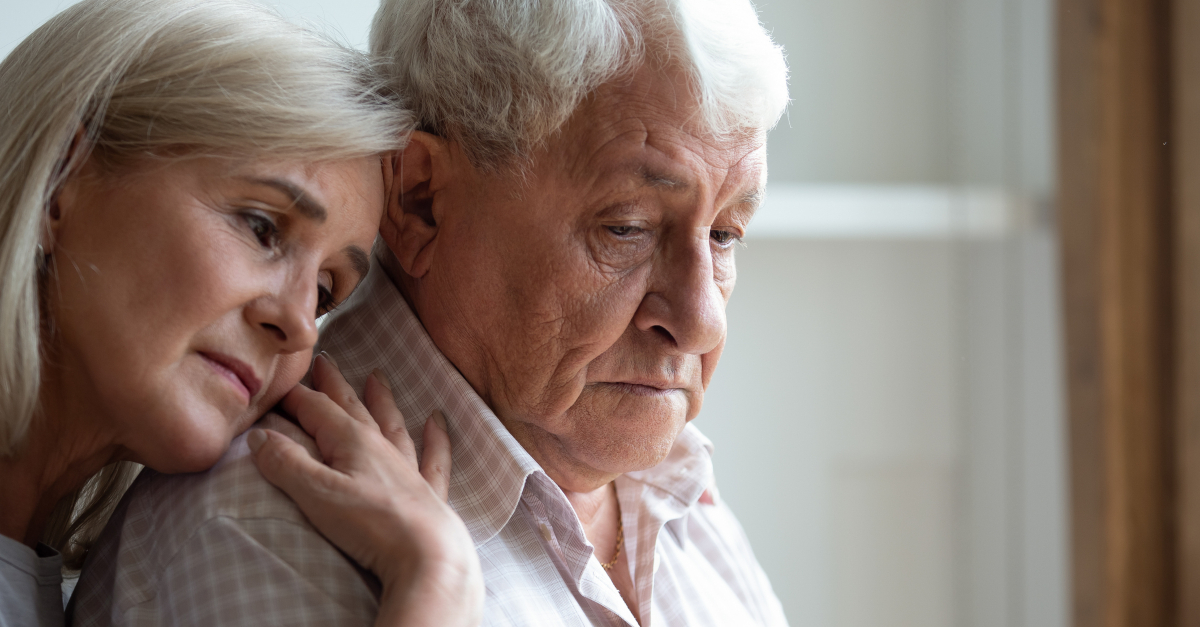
[(645, 127), (745, 178), (711, 174), (667, 159), (607, 149)]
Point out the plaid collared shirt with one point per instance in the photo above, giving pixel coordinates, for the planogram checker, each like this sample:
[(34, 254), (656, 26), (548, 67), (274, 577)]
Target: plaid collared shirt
[(224, 547)]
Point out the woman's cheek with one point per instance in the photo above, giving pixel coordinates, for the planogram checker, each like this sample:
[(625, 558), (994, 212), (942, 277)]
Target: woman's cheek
[(289, 370)]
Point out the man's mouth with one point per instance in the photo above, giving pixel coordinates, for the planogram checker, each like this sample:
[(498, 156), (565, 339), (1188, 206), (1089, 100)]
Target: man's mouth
[(644, 387), (236, 371)]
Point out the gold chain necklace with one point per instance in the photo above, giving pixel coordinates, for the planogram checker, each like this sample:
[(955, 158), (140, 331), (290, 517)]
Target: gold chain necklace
[(620, 543)]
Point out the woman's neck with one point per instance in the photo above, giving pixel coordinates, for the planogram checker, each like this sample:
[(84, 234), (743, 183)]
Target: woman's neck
[(66, 443)]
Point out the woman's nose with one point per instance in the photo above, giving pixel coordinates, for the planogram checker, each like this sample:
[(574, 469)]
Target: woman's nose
[(288, 317), (688, 305)]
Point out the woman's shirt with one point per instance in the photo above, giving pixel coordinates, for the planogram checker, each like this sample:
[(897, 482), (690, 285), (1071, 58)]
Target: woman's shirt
[(30, 585)]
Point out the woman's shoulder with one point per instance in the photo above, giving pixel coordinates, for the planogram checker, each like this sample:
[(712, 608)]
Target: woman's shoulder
[(29, 584)]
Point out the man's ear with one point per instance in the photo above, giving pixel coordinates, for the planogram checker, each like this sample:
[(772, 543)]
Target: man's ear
[(410, 224)]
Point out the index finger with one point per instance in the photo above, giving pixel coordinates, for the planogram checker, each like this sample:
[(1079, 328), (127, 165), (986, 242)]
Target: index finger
[(382, 405), (328, 380), (320, 417)]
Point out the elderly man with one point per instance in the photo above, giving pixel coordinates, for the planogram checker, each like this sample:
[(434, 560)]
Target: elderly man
[(553, 273)]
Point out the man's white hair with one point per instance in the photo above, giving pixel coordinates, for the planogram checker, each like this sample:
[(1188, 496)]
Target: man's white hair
[(500, 76)]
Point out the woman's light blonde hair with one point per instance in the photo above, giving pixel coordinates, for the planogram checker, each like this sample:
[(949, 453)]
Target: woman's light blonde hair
[(225, 78)]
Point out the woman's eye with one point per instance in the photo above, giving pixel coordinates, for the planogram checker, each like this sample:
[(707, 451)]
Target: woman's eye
[(624, 230), (723, 238), (263, 229), (325, 302)]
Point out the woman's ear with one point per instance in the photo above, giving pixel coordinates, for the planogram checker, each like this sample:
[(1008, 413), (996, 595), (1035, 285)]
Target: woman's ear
[(410, 224), (76, 165)]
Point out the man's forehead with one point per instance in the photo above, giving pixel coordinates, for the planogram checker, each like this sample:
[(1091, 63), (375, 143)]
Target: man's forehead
[(676, 165), (657, 101), (746, 187), (649, 133)]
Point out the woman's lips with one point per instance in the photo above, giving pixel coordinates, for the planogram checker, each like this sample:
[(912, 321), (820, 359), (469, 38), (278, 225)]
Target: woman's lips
[(235, 371)]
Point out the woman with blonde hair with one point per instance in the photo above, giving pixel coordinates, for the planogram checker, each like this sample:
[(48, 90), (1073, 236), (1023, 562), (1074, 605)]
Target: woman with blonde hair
[(185, 186)]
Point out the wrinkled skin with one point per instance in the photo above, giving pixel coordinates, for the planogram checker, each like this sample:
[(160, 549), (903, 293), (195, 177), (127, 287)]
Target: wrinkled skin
[(585, 303)]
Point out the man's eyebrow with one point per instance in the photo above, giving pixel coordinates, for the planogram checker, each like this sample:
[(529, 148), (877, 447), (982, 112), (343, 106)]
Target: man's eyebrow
[(359, 259), (754, 197), (307, 207), (659, 179)]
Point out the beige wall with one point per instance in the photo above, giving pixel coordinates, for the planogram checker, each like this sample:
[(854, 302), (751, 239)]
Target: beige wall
[(915, 91), (887, 418), (888, 413)]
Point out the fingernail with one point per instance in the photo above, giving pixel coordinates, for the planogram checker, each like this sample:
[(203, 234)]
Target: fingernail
[(439, 420), (255, 439), (382, 379), (330, 359)]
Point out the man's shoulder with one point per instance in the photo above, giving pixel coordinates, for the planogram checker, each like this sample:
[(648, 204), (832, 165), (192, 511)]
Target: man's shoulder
[(177, 505), (182, 544)]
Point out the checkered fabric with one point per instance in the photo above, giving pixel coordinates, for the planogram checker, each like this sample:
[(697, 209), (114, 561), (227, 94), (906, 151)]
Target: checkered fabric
[(224, 547)]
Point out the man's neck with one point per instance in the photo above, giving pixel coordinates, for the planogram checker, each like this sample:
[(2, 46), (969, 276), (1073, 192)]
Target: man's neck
[(404, 283), (599, 513), (588, 504)]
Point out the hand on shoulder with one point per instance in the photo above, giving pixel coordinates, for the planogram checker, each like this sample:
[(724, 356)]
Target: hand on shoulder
[(375, 499)]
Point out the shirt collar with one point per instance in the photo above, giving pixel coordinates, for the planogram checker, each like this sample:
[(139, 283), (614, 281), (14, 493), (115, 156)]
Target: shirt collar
[(375, 328), (686, 472)]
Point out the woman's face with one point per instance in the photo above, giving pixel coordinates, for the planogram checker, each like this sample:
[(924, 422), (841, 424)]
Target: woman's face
[(186, 292)]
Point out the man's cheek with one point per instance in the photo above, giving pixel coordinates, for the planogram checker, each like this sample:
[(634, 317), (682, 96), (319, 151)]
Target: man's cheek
[(726, 285), (708, 364)]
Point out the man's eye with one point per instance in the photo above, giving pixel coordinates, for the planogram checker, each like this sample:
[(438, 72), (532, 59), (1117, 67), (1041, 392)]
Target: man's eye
[(723, 238), (624, 230), (263, 229)]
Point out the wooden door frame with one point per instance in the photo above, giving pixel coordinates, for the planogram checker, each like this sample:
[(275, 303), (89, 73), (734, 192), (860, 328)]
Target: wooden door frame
[(1185, 64), (1117, 230)]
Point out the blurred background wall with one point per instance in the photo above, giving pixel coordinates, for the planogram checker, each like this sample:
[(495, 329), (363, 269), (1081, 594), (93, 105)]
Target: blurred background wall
[(888, 414)]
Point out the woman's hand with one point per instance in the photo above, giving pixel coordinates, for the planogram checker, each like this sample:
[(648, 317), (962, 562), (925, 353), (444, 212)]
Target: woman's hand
[(375, 501)]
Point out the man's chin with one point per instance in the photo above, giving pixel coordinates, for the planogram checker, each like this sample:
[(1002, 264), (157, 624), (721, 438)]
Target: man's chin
[(628, 450), (604, 435)]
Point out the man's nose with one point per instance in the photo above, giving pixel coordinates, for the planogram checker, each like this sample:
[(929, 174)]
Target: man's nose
[(288, 315), (686, 304)]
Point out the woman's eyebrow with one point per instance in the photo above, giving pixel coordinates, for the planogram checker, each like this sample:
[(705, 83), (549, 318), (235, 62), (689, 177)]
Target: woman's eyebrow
[(307, 207), (358, 259)]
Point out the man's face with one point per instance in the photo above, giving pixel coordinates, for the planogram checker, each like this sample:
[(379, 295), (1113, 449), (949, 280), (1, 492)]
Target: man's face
[(586, 304)]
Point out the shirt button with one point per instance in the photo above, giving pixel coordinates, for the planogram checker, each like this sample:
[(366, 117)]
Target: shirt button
[(545, 531)]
